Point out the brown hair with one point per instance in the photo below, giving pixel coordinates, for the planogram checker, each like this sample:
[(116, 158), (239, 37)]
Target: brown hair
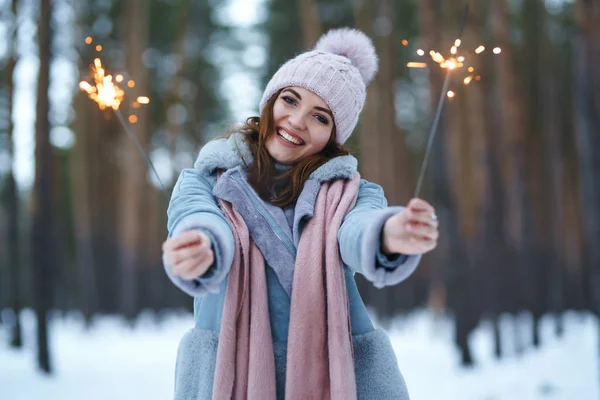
[(261, 172)]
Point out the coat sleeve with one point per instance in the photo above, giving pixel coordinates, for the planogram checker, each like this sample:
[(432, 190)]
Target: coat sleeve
[(194, 208), (359, 239)]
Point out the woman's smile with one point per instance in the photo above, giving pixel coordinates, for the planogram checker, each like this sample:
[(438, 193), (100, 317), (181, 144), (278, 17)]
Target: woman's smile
[(288, 138)]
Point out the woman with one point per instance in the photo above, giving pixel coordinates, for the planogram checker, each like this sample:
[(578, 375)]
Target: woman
[(267, 231)]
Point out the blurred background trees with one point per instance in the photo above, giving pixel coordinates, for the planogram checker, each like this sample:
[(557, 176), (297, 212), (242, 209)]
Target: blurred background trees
[(513, 173)]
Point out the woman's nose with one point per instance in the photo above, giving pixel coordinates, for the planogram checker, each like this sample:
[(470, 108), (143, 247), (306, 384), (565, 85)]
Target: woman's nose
[(297, 121)]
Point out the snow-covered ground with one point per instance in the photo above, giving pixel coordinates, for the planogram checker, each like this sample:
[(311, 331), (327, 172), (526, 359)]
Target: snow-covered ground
[(113, 360)]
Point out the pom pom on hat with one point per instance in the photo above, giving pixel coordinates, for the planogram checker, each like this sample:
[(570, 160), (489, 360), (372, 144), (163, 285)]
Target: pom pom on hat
[(355, 46)]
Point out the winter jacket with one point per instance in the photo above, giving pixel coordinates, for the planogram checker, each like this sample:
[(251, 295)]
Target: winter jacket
[(276, 231)]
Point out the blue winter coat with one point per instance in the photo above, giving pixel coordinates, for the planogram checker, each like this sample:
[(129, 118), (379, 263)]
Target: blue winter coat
[(276, 232)]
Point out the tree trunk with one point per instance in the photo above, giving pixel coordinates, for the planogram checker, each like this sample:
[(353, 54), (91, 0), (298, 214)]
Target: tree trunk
[(587, 106), (80, 178), (309, 21), (370, 140), (368, 144), (576, 292), (12, 195), (466, 147), (536, 215), (506, 144), (135, 188), (553, 254), (397, 176), (173, 97), (44, 247), (383, 152), (153, 290), (430, 38), (465, 125), (514, 122)]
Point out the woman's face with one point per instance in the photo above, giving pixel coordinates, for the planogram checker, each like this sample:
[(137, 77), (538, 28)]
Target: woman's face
[(303, 125)]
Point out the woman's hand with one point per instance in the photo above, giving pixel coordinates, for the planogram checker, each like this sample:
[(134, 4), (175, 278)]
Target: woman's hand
[(414, 230), (189, 254)]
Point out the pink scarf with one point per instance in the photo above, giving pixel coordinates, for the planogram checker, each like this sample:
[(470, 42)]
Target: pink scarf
[(320, 361)]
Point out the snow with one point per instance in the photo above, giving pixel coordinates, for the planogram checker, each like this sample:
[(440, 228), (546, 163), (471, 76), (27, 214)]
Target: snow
[(564, 368), (116, 360)]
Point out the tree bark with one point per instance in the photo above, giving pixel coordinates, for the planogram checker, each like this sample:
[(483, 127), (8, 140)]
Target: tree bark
[(310, 23), (134, 186), (506, 145), (173, 98), (383, 152), (461, 158), (80, 178), (587, 106), (43, 229), (576, 293), (397, 178), (514, 122), (464, 135), (553, 253), (370, 140), (12, 195), (538, 213)]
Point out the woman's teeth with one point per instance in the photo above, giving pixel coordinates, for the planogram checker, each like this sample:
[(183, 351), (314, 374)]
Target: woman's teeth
[(288, 137)]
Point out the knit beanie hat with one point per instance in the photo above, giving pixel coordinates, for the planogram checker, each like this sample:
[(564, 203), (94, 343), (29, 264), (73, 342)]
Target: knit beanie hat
[(338, 70)]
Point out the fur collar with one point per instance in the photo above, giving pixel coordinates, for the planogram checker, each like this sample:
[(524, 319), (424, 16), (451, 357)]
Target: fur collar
[(233, 152)]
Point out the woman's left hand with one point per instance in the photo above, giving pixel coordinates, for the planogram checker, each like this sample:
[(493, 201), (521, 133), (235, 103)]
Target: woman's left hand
[(412, 231)]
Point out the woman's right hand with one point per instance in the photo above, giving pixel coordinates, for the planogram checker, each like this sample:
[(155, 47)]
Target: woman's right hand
[(189, 254)]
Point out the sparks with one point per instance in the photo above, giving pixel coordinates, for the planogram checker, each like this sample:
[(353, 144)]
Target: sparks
[(105, 92), (451, 94), (453, 62), (438, 58)]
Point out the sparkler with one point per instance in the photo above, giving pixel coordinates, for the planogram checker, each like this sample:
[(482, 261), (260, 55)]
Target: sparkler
[(449, 64), (108, 95)]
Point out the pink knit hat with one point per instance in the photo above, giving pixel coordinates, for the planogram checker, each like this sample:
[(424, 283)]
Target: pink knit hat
[(338, 70)]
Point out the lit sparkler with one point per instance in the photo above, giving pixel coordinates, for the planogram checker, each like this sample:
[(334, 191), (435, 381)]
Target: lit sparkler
[(453, 62), (108, 95)]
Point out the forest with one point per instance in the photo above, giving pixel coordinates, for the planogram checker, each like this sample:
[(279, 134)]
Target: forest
[(513, 170)]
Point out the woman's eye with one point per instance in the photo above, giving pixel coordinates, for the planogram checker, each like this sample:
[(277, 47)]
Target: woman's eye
[(322, 119), (289, 100)]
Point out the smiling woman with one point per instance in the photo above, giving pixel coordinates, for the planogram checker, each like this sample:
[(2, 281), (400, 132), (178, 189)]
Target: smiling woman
[(267, 231)]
